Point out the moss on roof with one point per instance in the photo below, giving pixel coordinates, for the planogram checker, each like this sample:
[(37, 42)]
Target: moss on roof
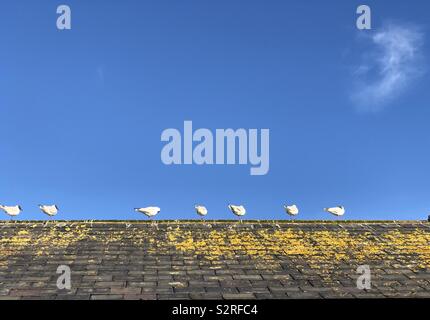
[(318, 244)]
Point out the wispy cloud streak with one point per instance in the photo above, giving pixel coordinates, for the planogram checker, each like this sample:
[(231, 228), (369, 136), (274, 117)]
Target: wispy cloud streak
[(393, 61)]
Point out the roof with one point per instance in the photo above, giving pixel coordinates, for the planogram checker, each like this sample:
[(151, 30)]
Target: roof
[(213, 259)]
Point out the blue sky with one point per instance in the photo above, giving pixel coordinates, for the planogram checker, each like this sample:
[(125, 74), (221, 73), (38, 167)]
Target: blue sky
[(82, 110)]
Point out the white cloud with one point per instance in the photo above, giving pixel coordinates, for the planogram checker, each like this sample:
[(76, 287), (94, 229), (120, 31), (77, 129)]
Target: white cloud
[(388, 68)]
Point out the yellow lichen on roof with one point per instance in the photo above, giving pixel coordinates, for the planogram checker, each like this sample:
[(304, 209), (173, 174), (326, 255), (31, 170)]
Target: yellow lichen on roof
[(317, 247), (53, 237), (12, 244)]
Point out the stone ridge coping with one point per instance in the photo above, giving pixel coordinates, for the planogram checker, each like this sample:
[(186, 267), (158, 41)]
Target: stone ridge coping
[(198, 221)]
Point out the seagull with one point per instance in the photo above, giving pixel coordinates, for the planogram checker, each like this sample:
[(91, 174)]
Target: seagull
[(150, 212), (337, 211), (11, 211), (237, 210), (51, 210), (201, 210), (291, 210)]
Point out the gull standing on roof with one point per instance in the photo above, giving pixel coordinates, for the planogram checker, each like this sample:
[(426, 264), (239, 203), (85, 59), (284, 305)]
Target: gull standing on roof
[(336, 211), (11, 211), (239, 211), (49, 210), (292, 210), (150, 212), (201, 211)]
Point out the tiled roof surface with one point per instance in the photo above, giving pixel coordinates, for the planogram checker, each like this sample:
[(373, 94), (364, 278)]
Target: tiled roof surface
[(213, 259)]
